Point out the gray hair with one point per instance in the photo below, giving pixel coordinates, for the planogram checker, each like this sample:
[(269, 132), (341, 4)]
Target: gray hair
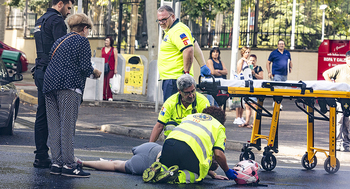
[(166, 8), (185, 81)]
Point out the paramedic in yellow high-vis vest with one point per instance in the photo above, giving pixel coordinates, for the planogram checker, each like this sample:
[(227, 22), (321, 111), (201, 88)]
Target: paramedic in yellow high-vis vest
[(187, 101), (177, 50), (192, 144)]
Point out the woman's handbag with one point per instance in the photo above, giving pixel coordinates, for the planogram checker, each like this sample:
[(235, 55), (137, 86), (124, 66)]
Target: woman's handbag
[(107, 68)]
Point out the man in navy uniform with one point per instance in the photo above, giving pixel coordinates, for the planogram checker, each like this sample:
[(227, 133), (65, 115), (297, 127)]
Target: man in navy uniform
[(48, 29)]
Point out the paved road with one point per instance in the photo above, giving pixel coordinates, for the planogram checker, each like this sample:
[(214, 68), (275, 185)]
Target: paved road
[(16, 158)]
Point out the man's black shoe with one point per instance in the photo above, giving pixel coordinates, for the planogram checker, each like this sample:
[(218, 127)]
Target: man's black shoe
[(42, 163)]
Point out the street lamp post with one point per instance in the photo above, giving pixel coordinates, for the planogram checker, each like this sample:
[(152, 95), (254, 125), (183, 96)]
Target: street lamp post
[(323, 7)]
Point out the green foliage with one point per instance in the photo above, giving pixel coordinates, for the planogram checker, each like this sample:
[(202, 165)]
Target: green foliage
[(340, 25), (14, 3), (194, 8)]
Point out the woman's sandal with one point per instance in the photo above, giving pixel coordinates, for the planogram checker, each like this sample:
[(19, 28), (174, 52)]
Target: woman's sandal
[(250, 126), (243, 125)]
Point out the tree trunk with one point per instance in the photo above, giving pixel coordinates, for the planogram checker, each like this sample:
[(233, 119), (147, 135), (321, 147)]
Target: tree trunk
[(2, 20), (133, 27), (152, 29), (203, 32), (85, 6)]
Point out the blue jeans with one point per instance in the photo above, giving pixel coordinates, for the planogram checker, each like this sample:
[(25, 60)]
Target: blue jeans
[(40, 127), (169, 88), (212, 101), (277, 77)]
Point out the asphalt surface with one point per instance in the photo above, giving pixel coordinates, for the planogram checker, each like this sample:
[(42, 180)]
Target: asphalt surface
[(17, 171), (133, 116)]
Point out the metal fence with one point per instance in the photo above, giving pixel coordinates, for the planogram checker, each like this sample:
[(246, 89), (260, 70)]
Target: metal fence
[(274, 22)]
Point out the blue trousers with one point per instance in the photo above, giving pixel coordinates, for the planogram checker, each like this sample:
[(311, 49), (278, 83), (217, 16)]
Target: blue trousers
[(40, 127), (169, 88)]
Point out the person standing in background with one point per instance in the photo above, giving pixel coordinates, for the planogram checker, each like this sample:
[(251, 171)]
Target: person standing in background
[(110, 54), (257, 73), (340, 74), (177, 50), (217, 69), (242, 65), (281, 64), (48, 29)]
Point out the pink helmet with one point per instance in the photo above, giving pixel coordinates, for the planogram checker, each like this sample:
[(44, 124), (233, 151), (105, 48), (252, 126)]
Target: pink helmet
[(247, 172)]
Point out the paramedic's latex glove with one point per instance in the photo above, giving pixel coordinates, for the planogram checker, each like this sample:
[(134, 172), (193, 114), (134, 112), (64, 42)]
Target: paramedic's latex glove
[(205, 71), (231, 174)]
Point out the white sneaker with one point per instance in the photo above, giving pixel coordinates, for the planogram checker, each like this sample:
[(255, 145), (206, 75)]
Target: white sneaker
[(238, 121), (243, 120), (110, 99)]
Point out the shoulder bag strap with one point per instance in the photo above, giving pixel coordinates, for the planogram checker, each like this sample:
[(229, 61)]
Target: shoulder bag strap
[(61, 43), (110, 55)]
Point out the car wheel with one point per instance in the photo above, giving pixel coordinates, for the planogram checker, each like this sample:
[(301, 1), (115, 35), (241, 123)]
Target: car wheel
[(9, 129)]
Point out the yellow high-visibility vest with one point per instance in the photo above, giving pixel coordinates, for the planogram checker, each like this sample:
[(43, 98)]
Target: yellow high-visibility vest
[(202, 133)]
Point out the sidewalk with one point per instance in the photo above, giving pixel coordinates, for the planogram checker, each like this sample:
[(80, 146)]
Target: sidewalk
[(133, 116)]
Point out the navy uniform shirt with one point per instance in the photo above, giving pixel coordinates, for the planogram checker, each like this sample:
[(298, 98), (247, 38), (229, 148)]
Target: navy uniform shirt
[(54, 28)]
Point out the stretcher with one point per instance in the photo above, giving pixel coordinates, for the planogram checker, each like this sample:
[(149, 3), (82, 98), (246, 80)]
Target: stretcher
[(303, 93)]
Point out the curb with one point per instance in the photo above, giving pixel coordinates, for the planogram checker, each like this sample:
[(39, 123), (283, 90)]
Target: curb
[(25, 97), (120, 104)]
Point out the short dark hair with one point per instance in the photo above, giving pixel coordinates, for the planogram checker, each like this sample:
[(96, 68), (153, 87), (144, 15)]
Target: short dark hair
[(347, 54), (166, 8), (254, 56), (217, 113), (111, 40), (214, 49), (54, 2)]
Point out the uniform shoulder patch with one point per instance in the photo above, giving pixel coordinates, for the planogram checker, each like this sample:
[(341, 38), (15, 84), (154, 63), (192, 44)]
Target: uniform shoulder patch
[(184, 38), (162, 111)]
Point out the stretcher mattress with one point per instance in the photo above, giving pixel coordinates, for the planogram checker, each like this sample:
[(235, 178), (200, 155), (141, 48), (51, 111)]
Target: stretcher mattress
[(315, 85)]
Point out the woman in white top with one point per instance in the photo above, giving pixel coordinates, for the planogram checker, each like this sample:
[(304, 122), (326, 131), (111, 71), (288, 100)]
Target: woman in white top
[(242, 65)]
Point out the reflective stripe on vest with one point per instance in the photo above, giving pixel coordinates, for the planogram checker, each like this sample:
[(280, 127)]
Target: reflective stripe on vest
[(169, 128), (190, 177), (202, 127), (193, 135)]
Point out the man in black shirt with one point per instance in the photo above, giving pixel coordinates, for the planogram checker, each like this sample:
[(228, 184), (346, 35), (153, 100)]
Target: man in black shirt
[(48, 29)]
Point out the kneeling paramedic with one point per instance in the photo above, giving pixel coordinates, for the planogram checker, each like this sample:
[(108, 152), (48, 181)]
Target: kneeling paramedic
[(191, 145), (187, 101)]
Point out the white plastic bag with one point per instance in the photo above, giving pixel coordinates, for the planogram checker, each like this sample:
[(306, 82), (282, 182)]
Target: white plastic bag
[(114, 83)]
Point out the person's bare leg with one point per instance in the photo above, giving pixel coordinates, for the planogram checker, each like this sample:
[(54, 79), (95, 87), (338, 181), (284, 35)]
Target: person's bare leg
[(116, 165), (248, 113)]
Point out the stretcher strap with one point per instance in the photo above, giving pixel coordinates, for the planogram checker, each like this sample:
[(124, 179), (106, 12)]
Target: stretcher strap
[(300, 85), (249, 83)]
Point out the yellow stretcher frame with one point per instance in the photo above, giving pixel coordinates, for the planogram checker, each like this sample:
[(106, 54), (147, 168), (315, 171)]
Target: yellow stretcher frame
[(309, 160)]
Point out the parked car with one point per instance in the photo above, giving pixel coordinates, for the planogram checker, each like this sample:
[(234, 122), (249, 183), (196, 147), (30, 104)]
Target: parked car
[(23, 59), (9, 100)]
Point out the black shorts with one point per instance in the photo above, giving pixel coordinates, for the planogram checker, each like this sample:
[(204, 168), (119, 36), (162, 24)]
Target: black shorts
[(176, 152)]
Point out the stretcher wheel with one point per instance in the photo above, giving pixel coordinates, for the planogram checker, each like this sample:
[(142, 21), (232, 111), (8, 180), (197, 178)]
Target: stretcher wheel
[(246, 155), (268, 162), (306, 164), (329, 168)]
